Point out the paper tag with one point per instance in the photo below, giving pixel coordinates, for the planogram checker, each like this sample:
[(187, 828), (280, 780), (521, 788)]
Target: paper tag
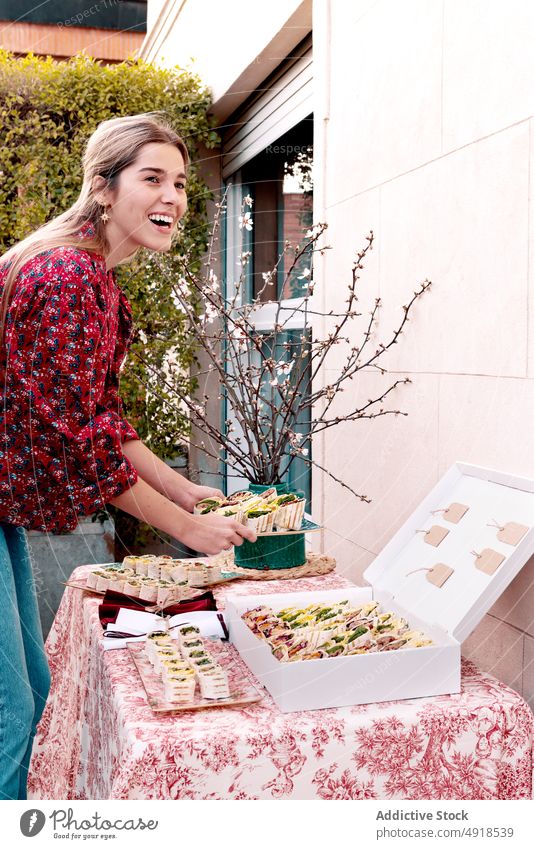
[(512, 533), (488, 560), (435, 535), (455, 512), (439, 574)]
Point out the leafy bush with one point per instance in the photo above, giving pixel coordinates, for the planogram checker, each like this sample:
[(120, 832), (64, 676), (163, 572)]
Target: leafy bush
[(48, 109)]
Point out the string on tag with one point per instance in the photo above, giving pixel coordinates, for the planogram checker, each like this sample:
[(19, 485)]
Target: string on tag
[(453, 513), (494, 524), (477, 555), (488, 561), (434, 535), (437, 574)]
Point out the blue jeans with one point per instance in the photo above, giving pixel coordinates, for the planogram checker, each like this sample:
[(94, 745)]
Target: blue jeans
[(24, 672)]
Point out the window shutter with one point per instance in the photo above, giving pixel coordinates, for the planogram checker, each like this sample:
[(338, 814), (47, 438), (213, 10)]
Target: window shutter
[(286, 99)]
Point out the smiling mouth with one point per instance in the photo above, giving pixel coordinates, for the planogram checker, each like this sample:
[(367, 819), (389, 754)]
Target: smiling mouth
[(163, 223)]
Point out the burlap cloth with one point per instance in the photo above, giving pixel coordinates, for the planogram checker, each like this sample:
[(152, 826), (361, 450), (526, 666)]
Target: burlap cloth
[(316, 564)]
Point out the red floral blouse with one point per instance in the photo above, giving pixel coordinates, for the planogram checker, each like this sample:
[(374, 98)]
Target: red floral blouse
[(61, 422)]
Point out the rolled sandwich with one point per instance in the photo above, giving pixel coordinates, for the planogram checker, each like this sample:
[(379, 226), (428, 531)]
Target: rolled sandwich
[(92, 580), (207, 505), (233, 511), (213, 683), (289, 512), (260, 519), (180, 686)]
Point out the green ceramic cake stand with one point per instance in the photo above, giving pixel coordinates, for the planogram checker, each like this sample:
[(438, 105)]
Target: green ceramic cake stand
[(278, 551)]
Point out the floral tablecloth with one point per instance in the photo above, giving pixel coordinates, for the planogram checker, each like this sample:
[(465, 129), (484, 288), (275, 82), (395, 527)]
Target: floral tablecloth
[(99, 739)]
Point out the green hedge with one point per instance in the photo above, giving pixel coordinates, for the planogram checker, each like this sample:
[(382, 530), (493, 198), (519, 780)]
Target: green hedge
[(47, 111)]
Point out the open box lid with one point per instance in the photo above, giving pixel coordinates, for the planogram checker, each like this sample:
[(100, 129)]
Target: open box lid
[(458, 605)]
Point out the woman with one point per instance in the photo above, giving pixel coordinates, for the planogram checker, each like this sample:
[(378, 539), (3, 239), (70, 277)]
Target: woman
[(65, 448)]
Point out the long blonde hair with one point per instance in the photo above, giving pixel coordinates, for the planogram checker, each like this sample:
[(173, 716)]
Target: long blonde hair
[(114, 145)]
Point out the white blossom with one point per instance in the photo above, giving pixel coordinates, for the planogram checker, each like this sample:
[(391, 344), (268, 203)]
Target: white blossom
[(240, 336), (210, 314), (213, 281), (284, 367), (313, 231), (245, 221)]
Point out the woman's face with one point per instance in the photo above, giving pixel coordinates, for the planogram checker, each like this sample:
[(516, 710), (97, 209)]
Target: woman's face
[(154, 186)]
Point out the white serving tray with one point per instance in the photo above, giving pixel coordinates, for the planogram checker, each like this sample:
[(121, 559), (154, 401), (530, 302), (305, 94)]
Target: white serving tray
[(448, 613), (338, 681)]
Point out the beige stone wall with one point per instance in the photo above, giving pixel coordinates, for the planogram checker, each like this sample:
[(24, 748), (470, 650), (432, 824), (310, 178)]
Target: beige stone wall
[(424, 134)]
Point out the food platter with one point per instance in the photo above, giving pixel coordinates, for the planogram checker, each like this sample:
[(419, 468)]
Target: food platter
[(242, 690), (186, 594)]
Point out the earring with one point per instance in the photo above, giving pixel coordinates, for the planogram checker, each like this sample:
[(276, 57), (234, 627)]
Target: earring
[(104, 217)]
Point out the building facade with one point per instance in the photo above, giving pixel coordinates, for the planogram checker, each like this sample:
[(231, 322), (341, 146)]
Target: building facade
[(419, 116), (108, 30)]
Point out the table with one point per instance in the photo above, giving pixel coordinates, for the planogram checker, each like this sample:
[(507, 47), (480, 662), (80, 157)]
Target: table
[(99, 739)]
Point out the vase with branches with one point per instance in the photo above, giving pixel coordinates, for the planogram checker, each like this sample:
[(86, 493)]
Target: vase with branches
[(275, 401)]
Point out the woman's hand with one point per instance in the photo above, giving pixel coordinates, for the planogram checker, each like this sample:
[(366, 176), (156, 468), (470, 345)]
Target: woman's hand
[(211, 534), (165, 480), (191, 493)]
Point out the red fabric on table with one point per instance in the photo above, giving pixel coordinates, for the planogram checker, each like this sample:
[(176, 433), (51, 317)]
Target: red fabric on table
[(113, 601)]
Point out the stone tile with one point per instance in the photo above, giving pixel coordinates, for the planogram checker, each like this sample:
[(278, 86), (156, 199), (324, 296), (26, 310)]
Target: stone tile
[(516, 604), (385, 103), (498, 649), (488, 73), (474, 424), (528, 672), (462, 222), (531, 260), (351, 559), (349, 224), (391, 459)]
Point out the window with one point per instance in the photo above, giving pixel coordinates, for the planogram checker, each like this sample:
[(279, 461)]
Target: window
[(279, 180)]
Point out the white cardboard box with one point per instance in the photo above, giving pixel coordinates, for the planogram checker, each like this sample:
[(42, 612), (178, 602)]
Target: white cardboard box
[(448, 614)]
